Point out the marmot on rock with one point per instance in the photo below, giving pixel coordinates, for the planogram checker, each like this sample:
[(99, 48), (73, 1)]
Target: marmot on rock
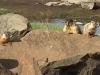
[(71, 28), (5, 38), (89, 29)]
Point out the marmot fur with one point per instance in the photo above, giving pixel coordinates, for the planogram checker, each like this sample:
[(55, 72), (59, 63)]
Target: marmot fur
[(71, 28), (89, 29), (5, 38)]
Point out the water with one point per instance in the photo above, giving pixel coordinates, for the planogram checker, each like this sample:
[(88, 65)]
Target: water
[(56, 22), (61, 22)]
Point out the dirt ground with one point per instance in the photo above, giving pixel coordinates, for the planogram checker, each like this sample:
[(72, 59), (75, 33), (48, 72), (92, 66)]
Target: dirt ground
[(36, 10), (54, 45)]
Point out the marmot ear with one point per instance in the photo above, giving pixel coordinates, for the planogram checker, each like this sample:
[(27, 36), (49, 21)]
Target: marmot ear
[(92, 21), (67, 23), (98, 24)]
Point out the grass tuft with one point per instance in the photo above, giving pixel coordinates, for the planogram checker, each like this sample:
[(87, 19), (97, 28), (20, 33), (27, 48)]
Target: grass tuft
[(43, 26), (4, 11)]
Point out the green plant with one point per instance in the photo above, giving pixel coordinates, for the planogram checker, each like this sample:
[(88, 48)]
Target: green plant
[(4, 11), (42, 26)]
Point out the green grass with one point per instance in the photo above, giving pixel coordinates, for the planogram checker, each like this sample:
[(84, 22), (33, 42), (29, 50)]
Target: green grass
[(4, 11), (43, 26)]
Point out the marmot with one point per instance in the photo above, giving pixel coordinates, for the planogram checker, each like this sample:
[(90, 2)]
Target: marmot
[(5, 38), (71, 28), (89, 29)]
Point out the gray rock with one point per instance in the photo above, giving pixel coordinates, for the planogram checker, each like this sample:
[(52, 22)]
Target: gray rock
[(5, 71), (59, 3), (88, 64), (51, 3), (88, 5), (16, 24), (79, 1)]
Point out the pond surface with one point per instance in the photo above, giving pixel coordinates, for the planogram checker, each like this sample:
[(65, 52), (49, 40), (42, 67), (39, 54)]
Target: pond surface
[(61, 22)]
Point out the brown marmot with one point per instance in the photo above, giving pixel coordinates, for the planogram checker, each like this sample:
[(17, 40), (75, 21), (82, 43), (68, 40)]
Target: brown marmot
[(71, 28), (5, 38), (89, 29)]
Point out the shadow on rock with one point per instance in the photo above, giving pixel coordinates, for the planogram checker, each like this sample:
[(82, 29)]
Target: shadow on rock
[(88, 64), (9, 63), (96, 7)]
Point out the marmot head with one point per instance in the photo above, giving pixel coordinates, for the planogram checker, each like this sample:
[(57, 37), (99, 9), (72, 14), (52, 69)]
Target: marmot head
[(95, 24), (69, 22), (6, 35)]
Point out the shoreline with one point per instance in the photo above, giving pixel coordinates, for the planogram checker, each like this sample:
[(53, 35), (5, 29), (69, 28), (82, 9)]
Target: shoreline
[(35, 10)]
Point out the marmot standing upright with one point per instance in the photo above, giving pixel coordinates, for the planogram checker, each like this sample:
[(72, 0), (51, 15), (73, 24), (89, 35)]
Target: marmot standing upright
[(89, 29), (71, 28)]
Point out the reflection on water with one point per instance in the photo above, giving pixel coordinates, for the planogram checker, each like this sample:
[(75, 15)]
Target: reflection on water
[(61, 22)]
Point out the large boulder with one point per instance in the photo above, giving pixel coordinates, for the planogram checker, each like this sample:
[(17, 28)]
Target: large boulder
[(88, 5), (5, 71), (59, 3), (79, 1), (88, 64), (16, 24)]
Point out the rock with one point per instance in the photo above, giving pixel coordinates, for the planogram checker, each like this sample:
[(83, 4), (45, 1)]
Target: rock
[(16, 24), (88, 64), (29, 65), (51, 3), (88, 5), (72, 1), (64, 3), (79, 1), (5, 71), (80, 23), (60, 3)]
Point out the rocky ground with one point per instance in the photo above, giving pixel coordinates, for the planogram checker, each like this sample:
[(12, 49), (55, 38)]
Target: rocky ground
[(51, 45), (44, 45)]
